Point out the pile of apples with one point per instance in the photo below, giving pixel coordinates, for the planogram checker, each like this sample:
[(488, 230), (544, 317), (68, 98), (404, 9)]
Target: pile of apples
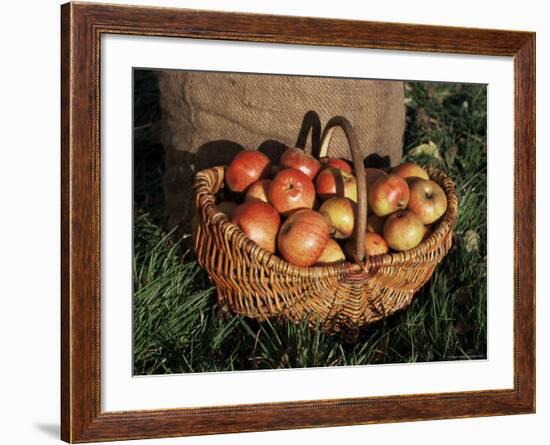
[(305, 209)]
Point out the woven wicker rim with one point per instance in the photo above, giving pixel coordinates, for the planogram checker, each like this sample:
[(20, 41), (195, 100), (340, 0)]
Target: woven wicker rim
[(208, 182)]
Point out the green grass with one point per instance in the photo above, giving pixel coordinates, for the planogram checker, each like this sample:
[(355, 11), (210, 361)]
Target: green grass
[(178, 329)]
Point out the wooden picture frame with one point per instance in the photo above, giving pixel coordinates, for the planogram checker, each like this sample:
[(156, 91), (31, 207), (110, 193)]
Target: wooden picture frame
[(82, 26)]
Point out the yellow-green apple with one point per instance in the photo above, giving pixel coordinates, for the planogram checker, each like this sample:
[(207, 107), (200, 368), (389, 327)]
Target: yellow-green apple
[(291, 190), (336, 163), (247, 167), (403, 230), (388, 194), (332, 182), (333, 253), (258, 191), (375, 224), (410, 170), (259, 221), (340, 215), (297, 158), (427, 200), (303, 237), (227, 207)]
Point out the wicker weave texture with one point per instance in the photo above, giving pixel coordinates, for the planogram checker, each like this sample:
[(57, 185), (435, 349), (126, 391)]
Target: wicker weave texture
[(340, 297)]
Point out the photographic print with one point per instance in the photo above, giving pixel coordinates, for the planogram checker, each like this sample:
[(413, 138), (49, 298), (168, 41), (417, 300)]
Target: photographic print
[(298, 231), (298, 222)]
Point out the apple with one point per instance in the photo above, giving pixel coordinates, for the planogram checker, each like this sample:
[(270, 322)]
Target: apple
[(375, 244), (258, 191), (336, 163), (333, 253), (375, 224), (427, 200), (340, 215), (259, 221), (403, 230), (291, 190), (227, 207), (410, 170), (247, 167), (372, 174), (297, 158), (303, 237), (388, 194), (331, 182)]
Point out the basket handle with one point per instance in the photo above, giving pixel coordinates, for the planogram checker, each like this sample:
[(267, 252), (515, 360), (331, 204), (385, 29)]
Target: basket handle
[(361, 222), (311, 125)]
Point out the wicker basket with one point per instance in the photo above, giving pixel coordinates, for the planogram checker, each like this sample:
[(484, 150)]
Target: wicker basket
[(340, 297)]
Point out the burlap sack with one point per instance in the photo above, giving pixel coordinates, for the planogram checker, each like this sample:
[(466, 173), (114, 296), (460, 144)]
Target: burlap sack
[(208, 117)]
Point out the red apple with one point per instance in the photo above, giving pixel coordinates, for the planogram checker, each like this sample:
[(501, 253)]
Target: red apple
[(258, 191), (410, 170), (227, 207), (340, 215), (427, 200), (333, 182), (375, 244), (297, 158), (388, 194), (259, 221), (372, 174), (291, 190), (332, 254), (403, 230), (247, 167), (336, 163), (375, 224), (303, 237)]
